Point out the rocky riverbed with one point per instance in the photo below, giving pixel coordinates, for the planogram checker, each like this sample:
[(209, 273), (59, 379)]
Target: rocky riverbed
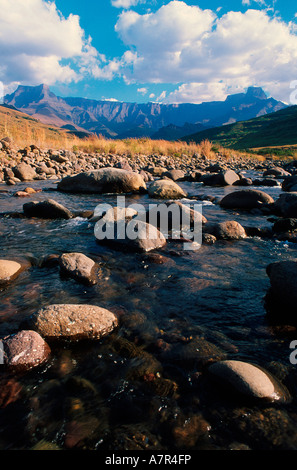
[(140, 345)]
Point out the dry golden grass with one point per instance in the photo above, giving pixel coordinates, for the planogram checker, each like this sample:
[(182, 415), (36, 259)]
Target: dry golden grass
[(25, 130)]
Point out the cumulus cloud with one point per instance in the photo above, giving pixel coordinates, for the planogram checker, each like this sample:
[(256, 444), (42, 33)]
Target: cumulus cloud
[(184, 44), (125, 3), (38, 45)]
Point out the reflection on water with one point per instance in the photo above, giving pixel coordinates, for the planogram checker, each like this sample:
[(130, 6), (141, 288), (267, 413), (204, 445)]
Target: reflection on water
[(144, 386)]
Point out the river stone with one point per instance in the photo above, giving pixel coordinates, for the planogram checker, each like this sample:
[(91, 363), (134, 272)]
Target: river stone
[(49, 209), (24, 172), (286, 205), (283, 275), (246, 199), (73, 322), (9, 270), (25, 350), (105, 180), (229, 230), (175, 175), (175, 213), (166, 189), (249, 380), (113, 214), (146, 237), (277, 172), (290, 183), (78, 266), (224, 178)]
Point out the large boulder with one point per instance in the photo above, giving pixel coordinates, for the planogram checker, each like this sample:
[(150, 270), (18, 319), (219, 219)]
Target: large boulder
[(73, 322), (105, 180), (246, 199), (24, 172), (48, 209), (78, 266), (286, 205), (249, 380), (9, 270), (166, 189), (290, 183), (224, 178), (283, 275), (25, 350)]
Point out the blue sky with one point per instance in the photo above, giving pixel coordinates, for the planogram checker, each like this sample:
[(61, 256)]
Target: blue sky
[(149, 50)]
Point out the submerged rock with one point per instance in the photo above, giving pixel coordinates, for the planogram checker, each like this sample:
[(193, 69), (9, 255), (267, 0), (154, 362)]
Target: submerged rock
[(25, 350), (49, 209), (246, 199), (73, 322), (105, 180), (166, 189), (249, 380)]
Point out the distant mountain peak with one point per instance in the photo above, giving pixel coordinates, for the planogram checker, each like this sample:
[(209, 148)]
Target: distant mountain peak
[(256, 92)]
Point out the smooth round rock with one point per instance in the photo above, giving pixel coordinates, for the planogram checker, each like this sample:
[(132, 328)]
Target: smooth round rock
[(246, 199), (73, 322), (166, 189), (8, 270), (249, 380), (105, 180)]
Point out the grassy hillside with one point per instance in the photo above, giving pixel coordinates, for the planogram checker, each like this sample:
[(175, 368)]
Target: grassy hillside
[(25, 130), (276, 129)]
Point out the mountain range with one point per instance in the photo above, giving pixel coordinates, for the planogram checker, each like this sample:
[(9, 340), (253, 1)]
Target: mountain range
[(114, 119)]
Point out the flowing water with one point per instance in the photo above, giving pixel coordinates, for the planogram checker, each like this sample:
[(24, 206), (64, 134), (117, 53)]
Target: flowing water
[(145, 386)]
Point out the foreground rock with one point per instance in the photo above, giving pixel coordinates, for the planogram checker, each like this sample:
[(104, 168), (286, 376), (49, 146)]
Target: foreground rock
[(166, 189), (137, 236), (246, 199), (9, 270), (249, 380), (78, 266), (229, 230), (49, 209), (105, 180), (73, 322), (283, 275), (290, 183), (286, 205), (25, 350)]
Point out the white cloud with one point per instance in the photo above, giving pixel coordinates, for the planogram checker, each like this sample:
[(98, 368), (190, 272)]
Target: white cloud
[(185, 44), (143, 91), (125, 3), (38, 45)]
